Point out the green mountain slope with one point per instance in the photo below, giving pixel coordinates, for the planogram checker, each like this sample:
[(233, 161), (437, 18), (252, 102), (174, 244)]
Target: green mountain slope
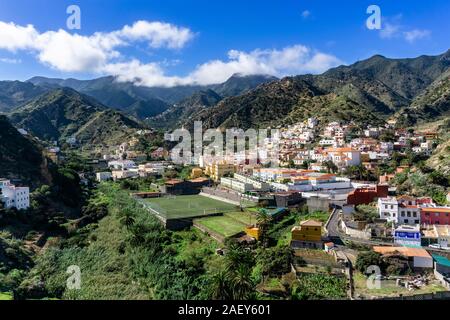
[(368, 91), (64, 113), (143, 102), (21, 157), (15, 93), (431, 104), (179, 113)]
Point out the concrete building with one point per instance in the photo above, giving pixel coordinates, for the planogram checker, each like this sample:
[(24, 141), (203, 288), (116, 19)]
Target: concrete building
[(343, 157), (439, 234), (318, 203), (257, 185), (103, 176), (307, 235), (124, 174), (218, 170), (121, 164), (366, 195), (388, 209), (406, 235), (236, 185), (14, 197), (435, 215), (419, 258)]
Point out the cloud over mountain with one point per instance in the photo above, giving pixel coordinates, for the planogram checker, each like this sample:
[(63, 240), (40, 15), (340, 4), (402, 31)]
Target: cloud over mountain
[(100, 53)]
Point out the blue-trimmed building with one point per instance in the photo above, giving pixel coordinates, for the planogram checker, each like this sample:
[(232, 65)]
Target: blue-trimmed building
[(408, 236)]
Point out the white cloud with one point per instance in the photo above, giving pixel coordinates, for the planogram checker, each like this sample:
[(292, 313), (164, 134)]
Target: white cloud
[(416, 34), (392, 28), (99, 53), (14, 37), (306, 14), (77, 53), (389, 30), (158, 34), (292, 60), (10, 61)]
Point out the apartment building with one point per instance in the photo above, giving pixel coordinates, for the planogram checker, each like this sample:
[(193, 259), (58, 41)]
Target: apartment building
[(435, 215), (14, 197), (218, 170)]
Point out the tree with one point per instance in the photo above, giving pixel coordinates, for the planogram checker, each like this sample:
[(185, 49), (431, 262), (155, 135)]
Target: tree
[(275, 261), (366, 259), (331, 167), (236, 255), (127, 219), (220, 286), (365, 213), (263, 221), (242, 284)]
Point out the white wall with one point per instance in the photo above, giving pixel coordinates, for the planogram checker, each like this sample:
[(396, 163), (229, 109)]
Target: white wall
[(423, 262)]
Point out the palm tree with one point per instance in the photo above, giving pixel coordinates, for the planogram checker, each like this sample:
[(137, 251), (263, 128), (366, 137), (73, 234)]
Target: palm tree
[(243, 287), (127, 220), (263, 221), (220, 286)]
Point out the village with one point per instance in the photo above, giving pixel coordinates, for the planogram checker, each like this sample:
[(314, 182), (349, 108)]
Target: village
[(331, 199)]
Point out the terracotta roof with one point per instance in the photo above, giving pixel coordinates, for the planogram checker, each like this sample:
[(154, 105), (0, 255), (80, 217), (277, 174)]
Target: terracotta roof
[(445, 210), (174, 181), (406, 251), (405, 197), (341, 150), (200, 179)]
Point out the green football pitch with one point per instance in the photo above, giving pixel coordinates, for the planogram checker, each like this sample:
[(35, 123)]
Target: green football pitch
[(225, 225), (175, 207)]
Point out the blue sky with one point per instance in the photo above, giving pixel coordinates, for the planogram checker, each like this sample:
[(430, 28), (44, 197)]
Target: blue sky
[(266, 36)]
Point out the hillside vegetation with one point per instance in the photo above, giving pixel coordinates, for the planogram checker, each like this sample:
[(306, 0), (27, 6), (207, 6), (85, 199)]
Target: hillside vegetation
[(369, 91), (64, 113)]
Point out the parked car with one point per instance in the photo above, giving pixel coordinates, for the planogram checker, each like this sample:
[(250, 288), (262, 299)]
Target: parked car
[(437, 246)]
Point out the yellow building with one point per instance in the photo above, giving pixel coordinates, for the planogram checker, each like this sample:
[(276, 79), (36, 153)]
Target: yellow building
[(196, 173), (307, 235), (219, 170), (253, 232)]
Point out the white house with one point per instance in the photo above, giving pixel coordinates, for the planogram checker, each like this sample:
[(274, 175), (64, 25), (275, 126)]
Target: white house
[(388, 209), (103, 176), (344, 157), (402, 210), (121, 164), (14, 197)]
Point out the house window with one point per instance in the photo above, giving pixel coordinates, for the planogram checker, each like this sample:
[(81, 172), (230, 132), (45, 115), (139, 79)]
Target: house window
[(403, 213)]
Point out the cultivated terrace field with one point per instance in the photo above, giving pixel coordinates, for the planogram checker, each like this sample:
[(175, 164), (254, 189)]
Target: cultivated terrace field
[(124, 252)]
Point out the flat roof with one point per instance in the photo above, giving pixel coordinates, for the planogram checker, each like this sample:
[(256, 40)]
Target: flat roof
[(311, 223)]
